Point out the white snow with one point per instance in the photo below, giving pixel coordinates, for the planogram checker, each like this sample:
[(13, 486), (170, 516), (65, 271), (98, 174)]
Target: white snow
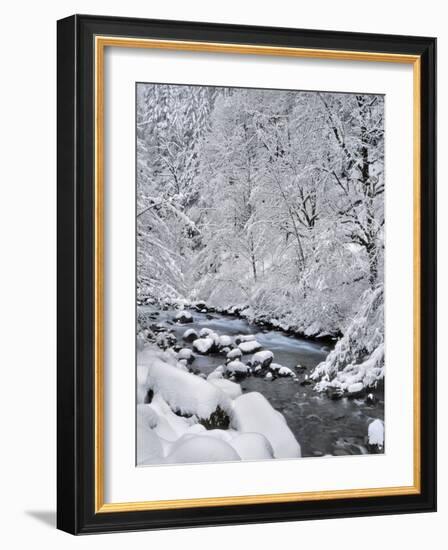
[(147, 416), (231, 389), (149, 445), (262, 358), (200, 448), (205, 332), (376, 433), (185, 392), (281, 370), (355, 388), (237, 367), (249, 347), (252, 412), (252, 446), (169, 426), (185, 353), (142, 383), (234, 354), (217, 373), (203, 345), (184, 317), (225, 341), (268, 375), (190, 334)]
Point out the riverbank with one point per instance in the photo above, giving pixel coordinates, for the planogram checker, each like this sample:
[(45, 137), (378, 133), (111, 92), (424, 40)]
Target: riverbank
[(321, 425)]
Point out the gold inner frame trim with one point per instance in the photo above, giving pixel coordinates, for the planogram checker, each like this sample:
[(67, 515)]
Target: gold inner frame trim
[(101, 42)]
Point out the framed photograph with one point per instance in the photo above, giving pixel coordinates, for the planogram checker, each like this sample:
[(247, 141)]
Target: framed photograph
[(246, 274)]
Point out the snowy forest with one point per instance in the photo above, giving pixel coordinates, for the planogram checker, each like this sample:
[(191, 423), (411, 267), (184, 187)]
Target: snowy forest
[(260, 252)]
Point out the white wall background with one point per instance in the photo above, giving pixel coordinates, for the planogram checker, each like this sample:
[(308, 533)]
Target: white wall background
[(27, 272)]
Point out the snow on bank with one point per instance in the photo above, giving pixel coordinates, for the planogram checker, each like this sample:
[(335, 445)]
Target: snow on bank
[(175, 407), (357, 360), (252, 412)]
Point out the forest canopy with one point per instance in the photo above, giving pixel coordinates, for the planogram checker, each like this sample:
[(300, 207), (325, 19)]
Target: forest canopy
[(269, 200)]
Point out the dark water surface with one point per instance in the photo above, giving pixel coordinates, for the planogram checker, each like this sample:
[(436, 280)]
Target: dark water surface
[(321, 425)]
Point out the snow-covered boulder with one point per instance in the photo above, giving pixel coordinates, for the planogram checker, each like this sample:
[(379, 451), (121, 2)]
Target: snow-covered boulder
[(182, 364), (204, 332), (234, 354), (231, 389), (375, 437), (165, 340), (355, 389), (184, 317), (250, 346), (190, 335), (237, 368), (184, 392), (269, 375), (225, 341), (252, 446), (200, 448), (217, 373), (186, 354), (253, 413), (262, 358), (204, 345), (280, 370)]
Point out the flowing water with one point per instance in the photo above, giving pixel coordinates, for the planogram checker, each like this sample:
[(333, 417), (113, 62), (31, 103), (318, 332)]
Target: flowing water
[(321, 425)]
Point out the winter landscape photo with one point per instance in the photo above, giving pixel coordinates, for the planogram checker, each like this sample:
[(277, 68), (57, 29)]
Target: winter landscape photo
[(259, 274)]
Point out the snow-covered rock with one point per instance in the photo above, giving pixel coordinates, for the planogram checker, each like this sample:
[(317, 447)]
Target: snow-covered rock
[(186, 354), (165, 340), (237, 367), (234, 354), (184, 317), (252, 446), (231, 389), (217, 373), (204, 345), (262, 358), (281, 370), (204, 332), (225, 341), (355, 388), (182, 364), (251, 346), (376, 434), (253, 413), (268, 376), (190, 335), (185, 392)]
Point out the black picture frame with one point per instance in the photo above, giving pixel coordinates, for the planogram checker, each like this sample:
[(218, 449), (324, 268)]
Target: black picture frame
[(76, 512)]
